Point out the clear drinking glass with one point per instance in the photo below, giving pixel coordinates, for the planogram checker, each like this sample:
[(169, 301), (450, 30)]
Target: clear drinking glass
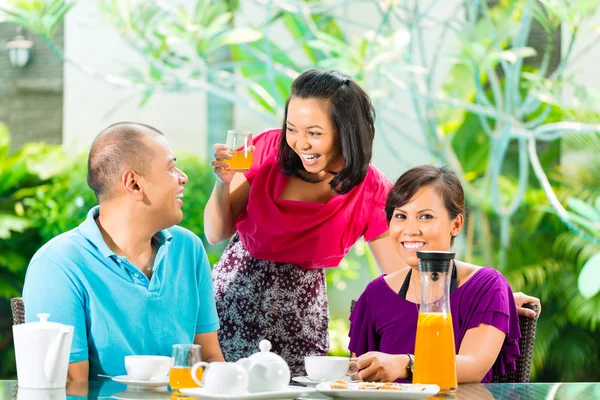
[(184, 357), (240, 147), (435, 355)]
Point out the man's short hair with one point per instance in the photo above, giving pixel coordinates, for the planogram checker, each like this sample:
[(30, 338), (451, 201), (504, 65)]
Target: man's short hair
[(116, 149)]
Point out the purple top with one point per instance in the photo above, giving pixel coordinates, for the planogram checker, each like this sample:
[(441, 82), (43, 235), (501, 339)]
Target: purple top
[(383, 321)]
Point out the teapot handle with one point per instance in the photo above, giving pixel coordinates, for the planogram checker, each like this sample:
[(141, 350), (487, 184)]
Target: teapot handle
[(194, 372)]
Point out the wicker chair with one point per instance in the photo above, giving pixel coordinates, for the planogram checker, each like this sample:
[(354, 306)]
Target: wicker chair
[(528, 327), (18, 310)]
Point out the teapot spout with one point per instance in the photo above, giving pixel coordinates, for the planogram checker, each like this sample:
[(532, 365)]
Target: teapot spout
[(56, 348)]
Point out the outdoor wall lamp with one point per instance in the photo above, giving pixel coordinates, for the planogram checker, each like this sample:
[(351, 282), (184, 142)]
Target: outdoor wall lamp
[(20, 49)]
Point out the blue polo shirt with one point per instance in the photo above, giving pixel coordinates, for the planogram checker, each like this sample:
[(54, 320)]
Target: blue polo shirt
[(115, 309)]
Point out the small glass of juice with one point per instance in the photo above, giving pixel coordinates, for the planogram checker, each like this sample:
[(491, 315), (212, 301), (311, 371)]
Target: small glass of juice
[(184, 357)]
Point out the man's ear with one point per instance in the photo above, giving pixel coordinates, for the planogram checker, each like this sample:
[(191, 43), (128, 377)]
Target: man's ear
[(133, 184)]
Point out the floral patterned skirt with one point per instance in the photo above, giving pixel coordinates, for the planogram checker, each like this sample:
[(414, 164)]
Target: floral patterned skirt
[(280, 302)]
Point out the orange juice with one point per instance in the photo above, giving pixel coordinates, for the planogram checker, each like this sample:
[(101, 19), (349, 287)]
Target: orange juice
[(180, 377), (435, 354), (240, 160)]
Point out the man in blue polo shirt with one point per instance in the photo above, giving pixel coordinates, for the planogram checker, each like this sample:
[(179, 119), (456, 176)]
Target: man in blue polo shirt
[(128, 279)]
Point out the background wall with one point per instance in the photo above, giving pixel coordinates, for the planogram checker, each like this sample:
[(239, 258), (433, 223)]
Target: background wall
[(31, 98), (91, 104)]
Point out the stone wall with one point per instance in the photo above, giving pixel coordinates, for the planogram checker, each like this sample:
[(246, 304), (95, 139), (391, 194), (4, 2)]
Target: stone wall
[(31, 98)]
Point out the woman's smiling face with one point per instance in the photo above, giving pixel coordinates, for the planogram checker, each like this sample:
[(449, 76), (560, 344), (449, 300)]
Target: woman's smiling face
[(423, 224), (310, 133)]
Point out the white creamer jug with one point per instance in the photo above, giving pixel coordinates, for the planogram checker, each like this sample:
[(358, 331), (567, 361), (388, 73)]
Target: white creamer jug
[(42, 352)]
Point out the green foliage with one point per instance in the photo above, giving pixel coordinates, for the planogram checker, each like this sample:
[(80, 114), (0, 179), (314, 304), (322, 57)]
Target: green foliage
[(27, 169), (42, 16)]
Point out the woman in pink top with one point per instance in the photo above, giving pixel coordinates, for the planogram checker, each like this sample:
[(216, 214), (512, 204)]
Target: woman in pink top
[(311, 193)]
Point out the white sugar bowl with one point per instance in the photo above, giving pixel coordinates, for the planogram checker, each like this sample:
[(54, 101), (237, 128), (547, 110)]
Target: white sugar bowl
[(267, 372)]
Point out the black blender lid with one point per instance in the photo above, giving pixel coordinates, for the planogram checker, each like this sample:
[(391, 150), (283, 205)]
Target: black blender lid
[(428, 255)]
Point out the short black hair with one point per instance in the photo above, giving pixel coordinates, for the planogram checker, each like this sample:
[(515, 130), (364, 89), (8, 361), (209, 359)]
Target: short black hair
[(352, 116), (115, 150), (442, 179)]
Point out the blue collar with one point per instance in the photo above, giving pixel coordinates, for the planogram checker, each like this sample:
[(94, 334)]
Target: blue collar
[(91, 232)]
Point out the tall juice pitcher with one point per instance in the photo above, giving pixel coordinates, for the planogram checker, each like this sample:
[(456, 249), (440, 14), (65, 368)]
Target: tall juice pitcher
[(435, 354)]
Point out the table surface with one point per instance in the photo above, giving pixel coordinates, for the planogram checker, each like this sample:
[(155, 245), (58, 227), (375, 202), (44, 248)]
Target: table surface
[(107, 389)]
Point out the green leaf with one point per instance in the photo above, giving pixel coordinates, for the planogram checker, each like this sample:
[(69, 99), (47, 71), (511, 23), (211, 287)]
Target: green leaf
[(238, 36), (589, 277), (583, 209), (4, 141), (514, 55), (11, 223)]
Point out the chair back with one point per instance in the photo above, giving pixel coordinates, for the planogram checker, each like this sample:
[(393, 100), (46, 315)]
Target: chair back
[(18, 310), (523, 362), (528, 327)]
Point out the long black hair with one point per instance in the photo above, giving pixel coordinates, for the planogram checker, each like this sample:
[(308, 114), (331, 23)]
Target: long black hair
[(352, 116)]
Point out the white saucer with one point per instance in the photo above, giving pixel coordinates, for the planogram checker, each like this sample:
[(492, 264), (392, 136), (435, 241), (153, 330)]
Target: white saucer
[(136, 394), (145, 385), (306, 381), (291, 392)]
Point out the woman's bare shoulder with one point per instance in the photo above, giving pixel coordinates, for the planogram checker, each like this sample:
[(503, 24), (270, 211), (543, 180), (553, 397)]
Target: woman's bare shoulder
[(396, 279), (465, 271)]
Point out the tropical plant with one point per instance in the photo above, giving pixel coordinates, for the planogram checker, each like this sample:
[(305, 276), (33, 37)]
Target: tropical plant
[(21, 171)]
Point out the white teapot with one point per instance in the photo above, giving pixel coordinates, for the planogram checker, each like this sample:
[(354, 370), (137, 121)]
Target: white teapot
[(267, 372), (42, 353)]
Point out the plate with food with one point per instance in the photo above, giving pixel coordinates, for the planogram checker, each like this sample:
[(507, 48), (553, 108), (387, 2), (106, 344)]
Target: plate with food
[(376, 390)]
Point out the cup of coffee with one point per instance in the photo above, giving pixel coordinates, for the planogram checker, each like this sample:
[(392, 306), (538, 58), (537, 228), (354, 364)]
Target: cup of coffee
[(327, 368), (147, 368)]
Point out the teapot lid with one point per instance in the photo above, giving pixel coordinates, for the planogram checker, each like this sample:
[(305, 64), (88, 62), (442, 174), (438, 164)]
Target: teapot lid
[(265, 353), (43, 323)]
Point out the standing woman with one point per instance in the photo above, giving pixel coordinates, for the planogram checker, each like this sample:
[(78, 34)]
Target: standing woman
[(311, 193)]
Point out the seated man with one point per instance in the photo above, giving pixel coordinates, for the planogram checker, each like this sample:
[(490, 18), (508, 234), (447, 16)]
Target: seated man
[(128, 279)]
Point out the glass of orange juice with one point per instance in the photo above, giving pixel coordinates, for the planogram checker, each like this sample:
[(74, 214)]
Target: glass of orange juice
[(184, 357), (240, 148)]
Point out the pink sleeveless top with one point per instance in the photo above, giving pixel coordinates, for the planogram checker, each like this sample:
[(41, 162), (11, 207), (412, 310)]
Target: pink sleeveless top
[(309, 234)]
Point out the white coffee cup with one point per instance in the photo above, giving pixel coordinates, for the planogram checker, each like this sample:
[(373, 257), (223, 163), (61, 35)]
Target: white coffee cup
[(147, 368), (327, 368), (224, 378)]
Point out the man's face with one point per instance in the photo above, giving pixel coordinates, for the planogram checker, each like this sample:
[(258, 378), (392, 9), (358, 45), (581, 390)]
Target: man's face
[(163, 186)]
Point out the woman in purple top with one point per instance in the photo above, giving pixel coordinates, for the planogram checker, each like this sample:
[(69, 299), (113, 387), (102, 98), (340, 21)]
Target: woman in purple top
[(426, 210)]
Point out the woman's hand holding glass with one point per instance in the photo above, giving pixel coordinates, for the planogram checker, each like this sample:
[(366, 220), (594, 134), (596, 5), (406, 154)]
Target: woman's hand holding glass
[(220, 165)]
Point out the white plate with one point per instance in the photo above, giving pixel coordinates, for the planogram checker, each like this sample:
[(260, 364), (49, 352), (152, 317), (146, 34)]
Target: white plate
[(136, 394), (291, 392), (306, 381), (146, 385), (353, 392)]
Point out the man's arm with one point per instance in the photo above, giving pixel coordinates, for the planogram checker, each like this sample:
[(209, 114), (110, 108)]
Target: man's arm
[(78, 371), (48, 288), (210, 348)]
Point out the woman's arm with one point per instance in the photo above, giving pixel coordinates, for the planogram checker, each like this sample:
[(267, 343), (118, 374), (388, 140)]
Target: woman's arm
[(479, 350), (385, 254), (228, 198), (225, 204)]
